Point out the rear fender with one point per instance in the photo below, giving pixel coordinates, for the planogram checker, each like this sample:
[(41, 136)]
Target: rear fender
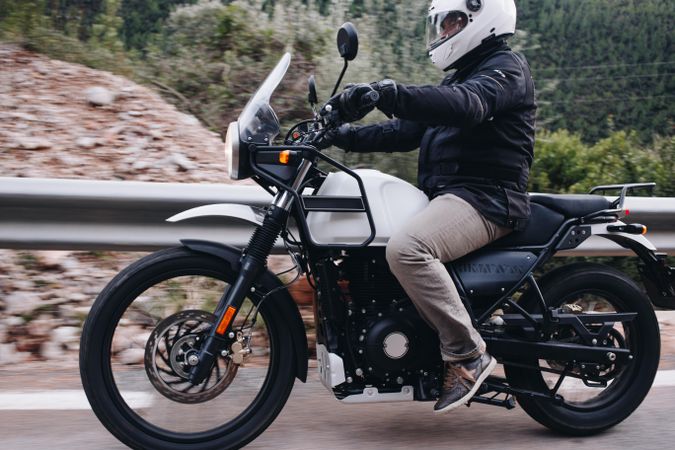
[(625, 240), (657, 276), (281, 301)]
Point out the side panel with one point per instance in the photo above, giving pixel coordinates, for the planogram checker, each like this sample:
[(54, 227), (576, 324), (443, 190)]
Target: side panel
[(281, 301), (493, 272), (392, 201)]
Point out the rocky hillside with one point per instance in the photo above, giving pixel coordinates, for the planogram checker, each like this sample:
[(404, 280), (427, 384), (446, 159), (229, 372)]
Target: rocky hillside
[(61, 120)]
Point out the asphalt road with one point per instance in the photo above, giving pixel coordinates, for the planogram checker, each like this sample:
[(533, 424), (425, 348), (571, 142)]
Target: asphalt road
[(312, 419)]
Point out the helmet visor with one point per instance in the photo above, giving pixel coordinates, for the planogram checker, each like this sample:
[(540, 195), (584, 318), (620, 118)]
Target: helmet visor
[(444, 25)]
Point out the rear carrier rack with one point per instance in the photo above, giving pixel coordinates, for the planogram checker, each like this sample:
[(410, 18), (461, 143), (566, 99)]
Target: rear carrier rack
[(624, 190)]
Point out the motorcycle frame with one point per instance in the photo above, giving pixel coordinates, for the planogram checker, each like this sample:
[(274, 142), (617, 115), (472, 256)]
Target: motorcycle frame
[(544, 252), (289, 202)]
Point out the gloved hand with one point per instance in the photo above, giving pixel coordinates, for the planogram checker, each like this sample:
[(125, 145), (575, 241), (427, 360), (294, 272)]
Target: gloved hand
[(340, 137), (388, 91), (354, 103)]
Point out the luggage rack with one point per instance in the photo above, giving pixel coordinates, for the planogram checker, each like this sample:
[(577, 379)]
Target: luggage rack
[(618, 204), (624, 188)]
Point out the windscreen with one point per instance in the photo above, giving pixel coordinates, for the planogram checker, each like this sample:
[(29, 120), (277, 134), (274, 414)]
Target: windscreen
[(258, 123)]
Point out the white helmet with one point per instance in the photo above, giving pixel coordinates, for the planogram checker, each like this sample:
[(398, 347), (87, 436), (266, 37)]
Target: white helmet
[(455, 27)]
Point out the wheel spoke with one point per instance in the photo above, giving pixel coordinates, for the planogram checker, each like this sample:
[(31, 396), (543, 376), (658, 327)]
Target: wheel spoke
[(206, 382), (166, 371)]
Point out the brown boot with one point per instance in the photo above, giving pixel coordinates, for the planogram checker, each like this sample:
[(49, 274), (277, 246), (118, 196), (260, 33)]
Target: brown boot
[(462, 380)]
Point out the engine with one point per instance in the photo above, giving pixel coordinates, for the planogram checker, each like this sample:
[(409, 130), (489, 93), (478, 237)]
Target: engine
[(389, 344)]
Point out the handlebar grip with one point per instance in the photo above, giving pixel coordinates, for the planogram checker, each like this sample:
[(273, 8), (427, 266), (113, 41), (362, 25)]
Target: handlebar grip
[(370, 99)]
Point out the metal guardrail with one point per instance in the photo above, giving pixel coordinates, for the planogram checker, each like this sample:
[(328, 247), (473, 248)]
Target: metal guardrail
[(51, 214)]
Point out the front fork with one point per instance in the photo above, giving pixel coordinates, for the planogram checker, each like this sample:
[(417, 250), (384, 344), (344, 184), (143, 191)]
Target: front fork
[(253, 264)]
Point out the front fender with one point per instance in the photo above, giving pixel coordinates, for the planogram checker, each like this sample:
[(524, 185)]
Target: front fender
[(243, 212), (281, 301)]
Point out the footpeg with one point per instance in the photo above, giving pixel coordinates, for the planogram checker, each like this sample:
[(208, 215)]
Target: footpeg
[(509, 402)]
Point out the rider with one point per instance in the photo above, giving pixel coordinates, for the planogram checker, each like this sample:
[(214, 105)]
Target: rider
[(475, 132)]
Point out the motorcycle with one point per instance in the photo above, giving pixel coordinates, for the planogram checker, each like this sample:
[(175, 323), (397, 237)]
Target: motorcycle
[(198, 346)]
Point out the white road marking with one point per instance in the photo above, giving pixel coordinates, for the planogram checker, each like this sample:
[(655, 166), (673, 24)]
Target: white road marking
[(664, 378), (61, 400), (77, 400)]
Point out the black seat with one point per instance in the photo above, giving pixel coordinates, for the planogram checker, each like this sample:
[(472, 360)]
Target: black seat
[(544, 222), (572, 205)]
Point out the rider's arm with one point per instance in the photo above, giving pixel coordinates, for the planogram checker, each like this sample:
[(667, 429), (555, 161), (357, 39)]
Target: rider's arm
[(391, 136), (499, 86)]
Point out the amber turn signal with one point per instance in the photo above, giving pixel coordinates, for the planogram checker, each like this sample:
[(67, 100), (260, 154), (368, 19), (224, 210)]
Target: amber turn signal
[(285, 157), (631, 228)]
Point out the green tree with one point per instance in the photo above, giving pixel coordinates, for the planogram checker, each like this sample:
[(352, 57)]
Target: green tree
[(143, 18)]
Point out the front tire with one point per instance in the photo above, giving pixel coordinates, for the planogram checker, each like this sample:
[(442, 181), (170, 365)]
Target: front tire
[(599, 288), (116, 348)]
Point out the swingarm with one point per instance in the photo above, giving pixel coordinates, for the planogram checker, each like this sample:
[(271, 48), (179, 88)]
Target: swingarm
[(590, 338)]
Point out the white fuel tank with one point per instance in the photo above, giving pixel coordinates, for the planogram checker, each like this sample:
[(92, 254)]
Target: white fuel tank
[(392, 202)]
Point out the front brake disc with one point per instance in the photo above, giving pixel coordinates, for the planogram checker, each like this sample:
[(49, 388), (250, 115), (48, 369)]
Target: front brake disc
[(172, 350)]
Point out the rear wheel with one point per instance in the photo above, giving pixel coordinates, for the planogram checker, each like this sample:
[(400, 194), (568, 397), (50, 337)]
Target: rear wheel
[(590, 408), (141, 338)]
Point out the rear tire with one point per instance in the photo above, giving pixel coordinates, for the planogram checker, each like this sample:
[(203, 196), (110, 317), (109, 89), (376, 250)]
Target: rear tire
[(171, 424), (573, 284)]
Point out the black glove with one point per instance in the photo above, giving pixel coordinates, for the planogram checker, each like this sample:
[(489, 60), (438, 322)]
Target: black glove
[(388, 92), (354, 103), (340, 137)]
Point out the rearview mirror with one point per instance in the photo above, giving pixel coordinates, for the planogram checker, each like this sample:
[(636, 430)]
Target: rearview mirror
[(348, 41), (312, 97)]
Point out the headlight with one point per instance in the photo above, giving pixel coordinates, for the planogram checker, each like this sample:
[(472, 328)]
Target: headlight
[(232, 150)]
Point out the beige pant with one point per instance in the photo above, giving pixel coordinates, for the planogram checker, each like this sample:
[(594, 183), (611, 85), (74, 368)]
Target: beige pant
[(447, 229)]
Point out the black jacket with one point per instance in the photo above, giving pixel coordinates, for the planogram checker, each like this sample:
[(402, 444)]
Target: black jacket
[(475, 132)]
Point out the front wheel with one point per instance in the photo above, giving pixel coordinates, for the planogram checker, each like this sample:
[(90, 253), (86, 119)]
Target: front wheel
[(590, 408), (141, 338)]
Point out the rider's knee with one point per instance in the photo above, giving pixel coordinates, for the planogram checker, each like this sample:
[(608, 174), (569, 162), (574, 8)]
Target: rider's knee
[(402, 248)]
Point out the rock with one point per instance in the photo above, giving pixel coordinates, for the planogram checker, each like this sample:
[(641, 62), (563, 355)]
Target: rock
[(40, 68), (140, 164), (182, 162), (10, 355), (65, 335), (188, 119), (82, 310), (14, 321), (140, 339), (53, 351), (132, 150), (86, 142), (19, 302), (131, 356), (50, 260), (99, 96), (41, 327), (120, 343), (33, 143)]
